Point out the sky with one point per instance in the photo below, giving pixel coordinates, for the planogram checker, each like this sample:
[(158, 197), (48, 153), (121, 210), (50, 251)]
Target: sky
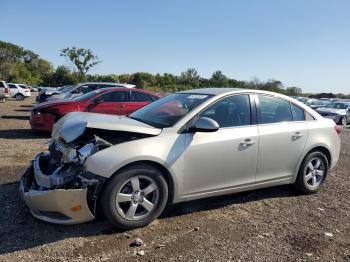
[(301, 43)]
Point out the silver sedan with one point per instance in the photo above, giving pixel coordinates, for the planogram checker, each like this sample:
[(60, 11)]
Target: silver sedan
[(188, 145)]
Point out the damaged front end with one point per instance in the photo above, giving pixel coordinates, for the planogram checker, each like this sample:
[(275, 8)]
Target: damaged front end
[(56, 187)]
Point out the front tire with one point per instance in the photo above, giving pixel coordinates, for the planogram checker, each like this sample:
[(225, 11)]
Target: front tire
[(312, 173), (19, 97), (343, 121), (135, 196)]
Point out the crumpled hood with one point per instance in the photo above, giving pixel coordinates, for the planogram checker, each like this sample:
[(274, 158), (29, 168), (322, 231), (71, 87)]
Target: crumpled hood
[(53, 103), (73, 125), (331, 110)]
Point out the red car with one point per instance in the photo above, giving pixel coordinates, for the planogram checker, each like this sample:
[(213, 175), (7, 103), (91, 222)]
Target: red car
[(117, 101)]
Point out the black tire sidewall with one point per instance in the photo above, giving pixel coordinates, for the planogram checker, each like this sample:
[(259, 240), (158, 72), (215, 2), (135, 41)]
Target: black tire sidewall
[(300, 183), (113, 185), (19, 97)]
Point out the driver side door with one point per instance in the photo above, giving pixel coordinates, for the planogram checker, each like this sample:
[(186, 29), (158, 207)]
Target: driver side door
[(111, 103), (227, 158)]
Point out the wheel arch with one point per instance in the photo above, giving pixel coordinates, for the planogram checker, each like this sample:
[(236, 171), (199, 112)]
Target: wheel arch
[(324, 150), (166, 173)]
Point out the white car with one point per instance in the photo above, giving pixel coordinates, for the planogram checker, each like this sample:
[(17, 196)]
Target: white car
[(185, 146), (19, 91)]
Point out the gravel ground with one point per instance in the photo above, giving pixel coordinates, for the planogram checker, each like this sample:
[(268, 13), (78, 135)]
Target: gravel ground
[(275, 224)]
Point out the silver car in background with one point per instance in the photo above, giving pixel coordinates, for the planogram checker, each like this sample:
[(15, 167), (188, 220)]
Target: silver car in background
[(339, 111), (69, 92), (188, 145)]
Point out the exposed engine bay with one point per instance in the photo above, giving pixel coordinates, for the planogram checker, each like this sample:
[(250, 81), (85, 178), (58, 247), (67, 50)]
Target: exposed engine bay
[(56, 187), (62, 167)]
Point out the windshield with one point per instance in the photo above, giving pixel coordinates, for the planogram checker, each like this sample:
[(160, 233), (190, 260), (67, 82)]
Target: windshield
[(167, 111), (86, 96), (338, 105)]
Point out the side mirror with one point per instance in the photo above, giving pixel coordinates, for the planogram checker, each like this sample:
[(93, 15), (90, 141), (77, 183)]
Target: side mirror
[(204, 124)]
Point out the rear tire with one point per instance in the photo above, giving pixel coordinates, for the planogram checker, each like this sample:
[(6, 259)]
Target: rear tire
[(312, 173), (19, 97), (135, 196)]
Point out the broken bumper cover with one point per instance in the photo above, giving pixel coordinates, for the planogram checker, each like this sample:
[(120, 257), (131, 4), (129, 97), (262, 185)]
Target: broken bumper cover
[(60, 206)]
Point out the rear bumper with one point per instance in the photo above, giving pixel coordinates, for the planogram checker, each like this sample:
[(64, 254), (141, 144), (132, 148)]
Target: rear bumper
[(59, 206)]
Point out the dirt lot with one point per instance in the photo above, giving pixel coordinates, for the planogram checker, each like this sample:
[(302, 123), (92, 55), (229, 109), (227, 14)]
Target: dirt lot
[(275, 224)]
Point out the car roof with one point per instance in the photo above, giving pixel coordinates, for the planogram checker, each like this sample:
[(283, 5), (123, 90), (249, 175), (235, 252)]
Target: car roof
[(213, 90), (106, 83), (107, 89)]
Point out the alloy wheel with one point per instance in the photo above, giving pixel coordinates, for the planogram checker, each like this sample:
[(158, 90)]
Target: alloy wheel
[(137, 197), (314, 172)]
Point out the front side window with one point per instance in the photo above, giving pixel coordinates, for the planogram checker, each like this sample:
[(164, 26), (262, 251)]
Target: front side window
[(167, 111), (115, 97), (230, 111), (140, 97), (86, 96), (12, 86), (274, 110)]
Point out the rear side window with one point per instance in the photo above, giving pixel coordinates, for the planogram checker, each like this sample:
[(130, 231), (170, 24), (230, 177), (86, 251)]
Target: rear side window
[(298, 113), (12, 86), (88, 88), (140, 97), (116, 97), (309, 117), (2, 84), (274, 110)]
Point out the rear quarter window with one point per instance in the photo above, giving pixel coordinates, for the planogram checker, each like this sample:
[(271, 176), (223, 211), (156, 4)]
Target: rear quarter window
[(298, 113)]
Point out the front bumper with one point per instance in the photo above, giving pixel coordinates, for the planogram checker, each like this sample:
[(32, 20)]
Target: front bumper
[(60, 206), (42, 122)]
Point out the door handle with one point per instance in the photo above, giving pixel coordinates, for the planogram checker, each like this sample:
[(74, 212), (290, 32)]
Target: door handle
[(248, 142), (297, 134), (121, 106)]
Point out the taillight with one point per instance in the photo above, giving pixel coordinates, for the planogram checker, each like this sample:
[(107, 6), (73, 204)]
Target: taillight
[(6, 90), (337, 129)]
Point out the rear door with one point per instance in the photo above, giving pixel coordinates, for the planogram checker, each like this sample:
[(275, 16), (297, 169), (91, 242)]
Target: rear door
[(283, 133), (111, 103)]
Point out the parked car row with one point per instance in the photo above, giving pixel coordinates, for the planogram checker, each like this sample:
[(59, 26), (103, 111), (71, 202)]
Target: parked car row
[(333, 108), (17, 91), (68, 92), (112, 100)]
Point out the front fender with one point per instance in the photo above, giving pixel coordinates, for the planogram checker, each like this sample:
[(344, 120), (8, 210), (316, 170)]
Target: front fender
[(166, 150)]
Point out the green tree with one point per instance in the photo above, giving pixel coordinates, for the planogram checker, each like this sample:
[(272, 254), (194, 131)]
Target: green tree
[(82, 59), (293, 91), (218, 79), (190, 78), (63, 76)]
